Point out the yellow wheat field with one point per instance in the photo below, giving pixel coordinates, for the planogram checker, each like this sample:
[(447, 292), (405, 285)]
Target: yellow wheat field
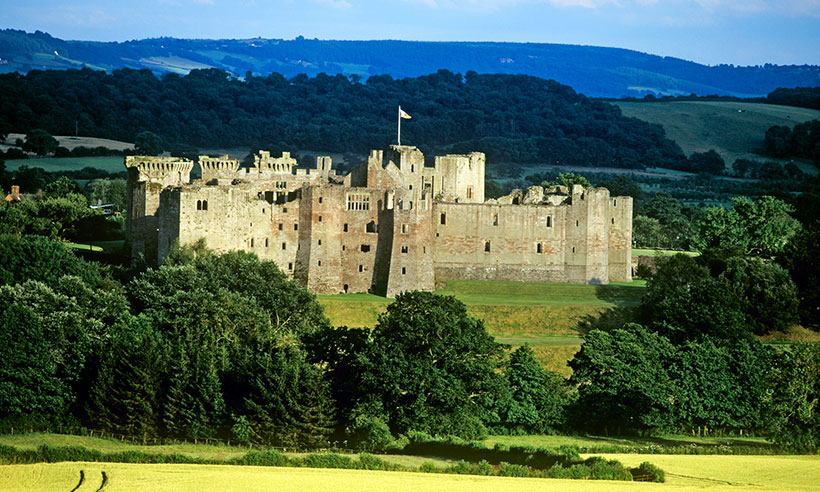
[(685, 473)]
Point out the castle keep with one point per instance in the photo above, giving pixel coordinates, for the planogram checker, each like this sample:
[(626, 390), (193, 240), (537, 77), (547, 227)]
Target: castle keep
[(392, 224)]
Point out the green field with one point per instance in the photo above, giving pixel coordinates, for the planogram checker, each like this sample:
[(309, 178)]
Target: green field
[(54, 164), (683, 473), (734, 129), (510, 309), (545, 316)]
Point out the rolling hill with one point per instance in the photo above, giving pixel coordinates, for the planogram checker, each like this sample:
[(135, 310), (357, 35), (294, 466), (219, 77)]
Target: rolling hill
[(734, 129), (590, 70)]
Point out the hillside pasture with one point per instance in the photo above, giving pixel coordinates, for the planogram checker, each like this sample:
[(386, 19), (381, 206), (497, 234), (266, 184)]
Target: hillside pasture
[(70, 142), (58, 164), (734, 129)]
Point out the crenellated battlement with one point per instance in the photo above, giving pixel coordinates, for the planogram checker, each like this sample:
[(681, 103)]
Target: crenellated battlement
[(263, 162), (170, 171)]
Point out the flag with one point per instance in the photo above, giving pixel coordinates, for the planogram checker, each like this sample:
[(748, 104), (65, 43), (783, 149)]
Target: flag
[(403, 114)]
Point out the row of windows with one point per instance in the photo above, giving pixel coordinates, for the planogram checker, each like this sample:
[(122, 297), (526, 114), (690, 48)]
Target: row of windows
[(202, 204), (358, 201)]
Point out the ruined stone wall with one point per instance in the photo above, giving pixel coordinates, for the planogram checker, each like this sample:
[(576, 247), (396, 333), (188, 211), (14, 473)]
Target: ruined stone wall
[(620, 239), (459, 178), (411, 248), (147, 178), (382, 231), (525, 242)]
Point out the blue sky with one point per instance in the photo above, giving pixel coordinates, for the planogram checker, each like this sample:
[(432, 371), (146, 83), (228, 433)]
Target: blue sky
[(742, 32)]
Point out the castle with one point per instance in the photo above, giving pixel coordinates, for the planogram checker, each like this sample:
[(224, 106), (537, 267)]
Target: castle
[(392, 224)]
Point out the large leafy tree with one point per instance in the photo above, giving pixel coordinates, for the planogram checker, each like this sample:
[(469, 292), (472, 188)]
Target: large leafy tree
[(233, 329), (431, 367), (761, 227), (794, 403), (623, 380), (536, 397), (801, 257), (40, 142)]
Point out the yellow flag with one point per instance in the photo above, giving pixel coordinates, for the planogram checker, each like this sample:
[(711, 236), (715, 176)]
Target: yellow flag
[(403, 114)]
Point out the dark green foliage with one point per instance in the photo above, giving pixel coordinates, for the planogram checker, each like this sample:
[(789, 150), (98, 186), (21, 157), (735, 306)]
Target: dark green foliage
[(212, 357), (707, 162), (567, 180), (48, 335), (767, 293), (719, 387), (663, 222), (148, 143), (794, 403), (647, 469), (37, 258), (126, 394), (431, 367), (623, 380), (537, 397), (512, 118), (683, 301), (802, 141), (40, 142), (801, 257), (262, 458), (595, 468)]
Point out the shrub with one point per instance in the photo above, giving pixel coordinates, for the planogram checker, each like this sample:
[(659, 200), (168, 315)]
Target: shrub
[(510, 470), (329, 460), (647, 469), (262, 458)]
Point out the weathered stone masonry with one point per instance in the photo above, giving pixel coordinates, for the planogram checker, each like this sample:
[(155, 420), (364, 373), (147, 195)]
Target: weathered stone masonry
[(390, 225)]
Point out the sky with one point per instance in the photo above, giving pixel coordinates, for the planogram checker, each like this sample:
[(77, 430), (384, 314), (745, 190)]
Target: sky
[(740, 32)]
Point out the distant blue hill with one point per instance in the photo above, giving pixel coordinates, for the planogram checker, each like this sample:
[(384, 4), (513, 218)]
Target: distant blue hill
[(590, 70)]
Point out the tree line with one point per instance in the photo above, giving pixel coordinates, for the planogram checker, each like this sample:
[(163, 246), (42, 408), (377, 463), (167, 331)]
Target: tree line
[(225, 346), (512, 118)]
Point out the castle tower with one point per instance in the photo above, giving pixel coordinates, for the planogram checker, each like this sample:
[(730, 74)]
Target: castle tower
[(147, 177), (218, 170)]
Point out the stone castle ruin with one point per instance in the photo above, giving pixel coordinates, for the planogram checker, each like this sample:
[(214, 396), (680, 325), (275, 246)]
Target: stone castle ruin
[(392, 224)]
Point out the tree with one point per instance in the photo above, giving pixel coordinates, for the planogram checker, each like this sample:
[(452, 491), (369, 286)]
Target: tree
[(794, 404), (537, 397), (761, 227), (40, 142), (431, 367), (801, 258), (31, 257), (567, 179), (684, 302), (148, 143), (707, 162), (623, 380), (768, 296)]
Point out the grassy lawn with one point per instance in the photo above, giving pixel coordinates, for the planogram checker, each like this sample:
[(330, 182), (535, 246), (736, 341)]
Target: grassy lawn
[(545, 316), (107, 246)]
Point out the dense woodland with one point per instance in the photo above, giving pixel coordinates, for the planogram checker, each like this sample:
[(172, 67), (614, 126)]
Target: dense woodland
[(512, 118), (224, 346)]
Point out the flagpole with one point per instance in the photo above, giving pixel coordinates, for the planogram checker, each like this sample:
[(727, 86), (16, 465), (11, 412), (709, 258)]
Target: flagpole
[(399, 126)]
